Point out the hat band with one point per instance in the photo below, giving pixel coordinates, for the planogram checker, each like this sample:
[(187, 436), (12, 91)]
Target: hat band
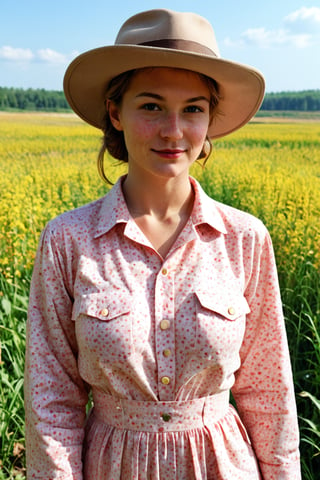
[(178, 44)]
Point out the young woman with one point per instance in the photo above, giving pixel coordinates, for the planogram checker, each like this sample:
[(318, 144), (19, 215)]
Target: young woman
[(157, 299)]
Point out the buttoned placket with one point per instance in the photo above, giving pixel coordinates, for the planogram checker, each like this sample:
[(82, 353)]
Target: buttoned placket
[(165, 332)]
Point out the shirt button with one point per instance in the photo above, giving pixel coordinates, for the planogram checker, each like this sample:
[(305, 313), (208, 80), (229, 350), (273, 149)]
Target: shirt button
[(164, 324), (164, 271), (165, 380), (166, 417), (166, 352), (104, 312), (231, 311)]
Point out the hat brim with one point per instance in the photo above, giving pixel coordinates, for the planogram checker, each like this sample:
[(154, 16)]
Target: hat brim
[(241, 87)]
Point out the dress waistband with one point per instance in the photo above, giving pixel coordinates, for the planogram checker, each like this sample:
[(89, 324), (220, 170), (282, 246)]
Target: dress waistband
[(160, 416)]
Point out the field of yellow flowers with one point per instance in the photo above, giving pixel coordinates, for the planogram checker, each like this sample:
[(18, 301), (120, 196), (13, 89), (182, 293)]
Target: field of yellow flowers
[(48, 165)]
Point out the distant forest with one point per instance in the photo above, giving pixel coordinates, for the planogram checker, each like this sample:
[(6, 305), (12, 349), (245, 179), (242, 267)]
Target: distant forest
[(32, 100), (55, 101)]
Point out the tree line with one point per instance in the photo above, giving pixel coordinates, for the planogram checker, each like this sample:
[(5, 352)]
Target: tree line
[(32, 100), (304, 101), (55, 101)]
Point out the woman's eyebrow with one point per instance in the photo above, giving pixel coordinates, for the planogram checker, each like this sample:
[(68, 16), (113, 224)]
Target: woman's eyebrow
[(151, 95), (197, 99), (160, 97)]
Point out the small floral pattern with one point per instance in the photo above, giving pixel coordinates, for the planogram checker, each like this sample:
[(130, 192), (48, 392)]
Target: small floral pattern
[(160, 343)]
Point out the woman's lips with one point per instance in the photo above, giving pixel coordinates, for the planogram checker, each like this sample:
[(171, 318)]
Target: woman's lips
[(169, 152)]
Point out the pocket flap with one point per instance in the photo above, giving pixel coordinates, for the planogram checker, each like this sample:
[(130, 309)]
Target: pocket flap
[(104, 306), (230, 306)]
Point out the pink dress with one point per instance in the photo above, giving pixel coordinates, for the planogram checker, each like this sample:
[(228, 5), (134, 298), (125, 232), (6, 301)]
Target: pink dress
[(159, 342)]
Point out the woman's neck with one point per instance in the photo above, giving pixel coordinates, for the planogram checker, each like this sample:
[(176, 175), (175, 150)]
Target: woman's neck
[(160, 209), (161, 198)]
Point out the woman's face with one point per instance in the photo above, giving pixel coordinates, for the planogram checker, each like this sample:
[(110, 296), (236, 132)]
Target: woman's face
[(164, 116)]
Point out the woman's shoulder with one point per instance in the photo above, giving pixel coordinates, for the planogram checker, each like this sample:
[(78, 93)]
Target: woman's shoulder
[(82, 218), (227, 218), (240, 222)]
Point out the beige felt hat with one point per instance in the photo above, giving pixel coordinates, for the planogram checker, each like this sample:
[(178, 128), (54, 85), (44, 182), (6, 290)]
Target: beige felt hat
[(164, 38)]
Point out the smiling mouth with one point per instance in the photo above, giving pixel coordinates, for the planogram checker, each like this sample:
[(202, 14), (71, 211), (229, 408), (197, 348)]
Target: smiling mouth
[(170, 152)]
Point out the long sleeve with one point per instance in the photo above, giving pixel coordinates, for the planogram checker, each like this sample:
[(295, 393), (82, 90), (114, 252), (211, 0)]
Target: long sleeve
[(55, 395), (263, 390)]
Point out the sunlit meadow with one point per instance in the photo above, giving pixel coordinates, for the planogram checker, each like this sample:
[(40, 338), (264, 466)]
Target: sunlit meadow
[(48, 165)]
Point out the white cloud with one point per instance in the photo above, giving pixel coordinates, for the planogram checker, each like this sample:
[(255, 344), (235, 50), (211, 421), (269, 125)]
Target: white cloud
[(264, 38), (300, 29), (51, 56), (304, 20), (16, 54), (46, 55)]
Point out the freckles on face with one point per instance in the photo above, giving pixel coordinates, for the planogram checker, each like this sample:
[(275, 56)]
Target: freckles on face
[(142, 127), (138, 133), (164, 116)]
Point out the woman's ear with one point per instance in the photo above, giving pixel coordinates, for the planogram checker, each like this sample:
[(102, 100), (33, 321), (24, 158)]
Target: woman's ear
[(114, 115)]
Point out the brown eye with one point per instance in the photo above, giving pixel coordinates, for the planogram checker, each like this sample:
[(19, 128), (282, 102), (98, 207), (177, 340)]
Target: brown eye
[(151, 107), (193, 109)]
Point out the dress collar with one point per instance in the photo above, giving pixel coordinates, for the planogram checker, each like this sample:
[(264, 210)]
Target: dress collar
[(114, 210)]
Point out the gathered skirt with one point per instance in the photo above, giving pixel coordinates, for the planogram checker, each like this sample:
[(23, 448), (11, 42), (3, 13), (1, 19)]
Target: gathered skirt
[(202, 439)]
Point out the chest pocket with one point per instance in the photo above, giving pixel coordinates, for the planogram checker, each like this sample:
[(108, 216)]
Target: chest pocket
[(228, 306), (104, 325), (102, 306), (220, 323)]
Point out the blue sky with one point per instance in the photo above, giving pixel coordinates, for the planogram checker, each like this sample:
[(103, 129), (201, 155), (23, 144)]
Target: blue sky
[(39, 38)]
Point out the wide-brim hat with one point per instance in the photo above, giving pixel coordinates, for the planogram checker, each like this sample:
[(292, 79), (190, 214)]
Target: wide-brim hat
[(164, 38)]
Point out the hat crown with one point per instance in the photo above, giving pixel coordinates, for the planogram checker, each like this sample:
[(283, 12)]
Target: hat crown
[(157, 25)]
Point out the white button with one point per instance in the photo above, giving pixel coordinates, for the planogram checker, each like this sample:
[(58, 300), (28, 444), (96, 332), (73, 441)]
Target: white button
[(231, 311), (104, 312), (165, 380), (165, 324), (166, 352)]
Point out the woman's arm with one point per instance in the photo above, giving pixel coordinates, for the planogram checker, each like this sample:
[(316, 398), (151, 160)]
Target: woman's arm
[(263, 390), (55, 395)]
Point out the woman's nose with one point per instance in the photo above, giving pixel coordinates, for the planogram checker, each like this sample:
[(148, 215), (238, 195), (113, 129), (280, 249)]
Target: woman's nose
[(172, 126)]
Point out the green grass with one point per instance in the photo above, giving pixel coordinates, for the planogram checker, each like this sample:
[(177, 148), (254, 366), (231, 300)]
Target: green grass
[(13, 313)]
